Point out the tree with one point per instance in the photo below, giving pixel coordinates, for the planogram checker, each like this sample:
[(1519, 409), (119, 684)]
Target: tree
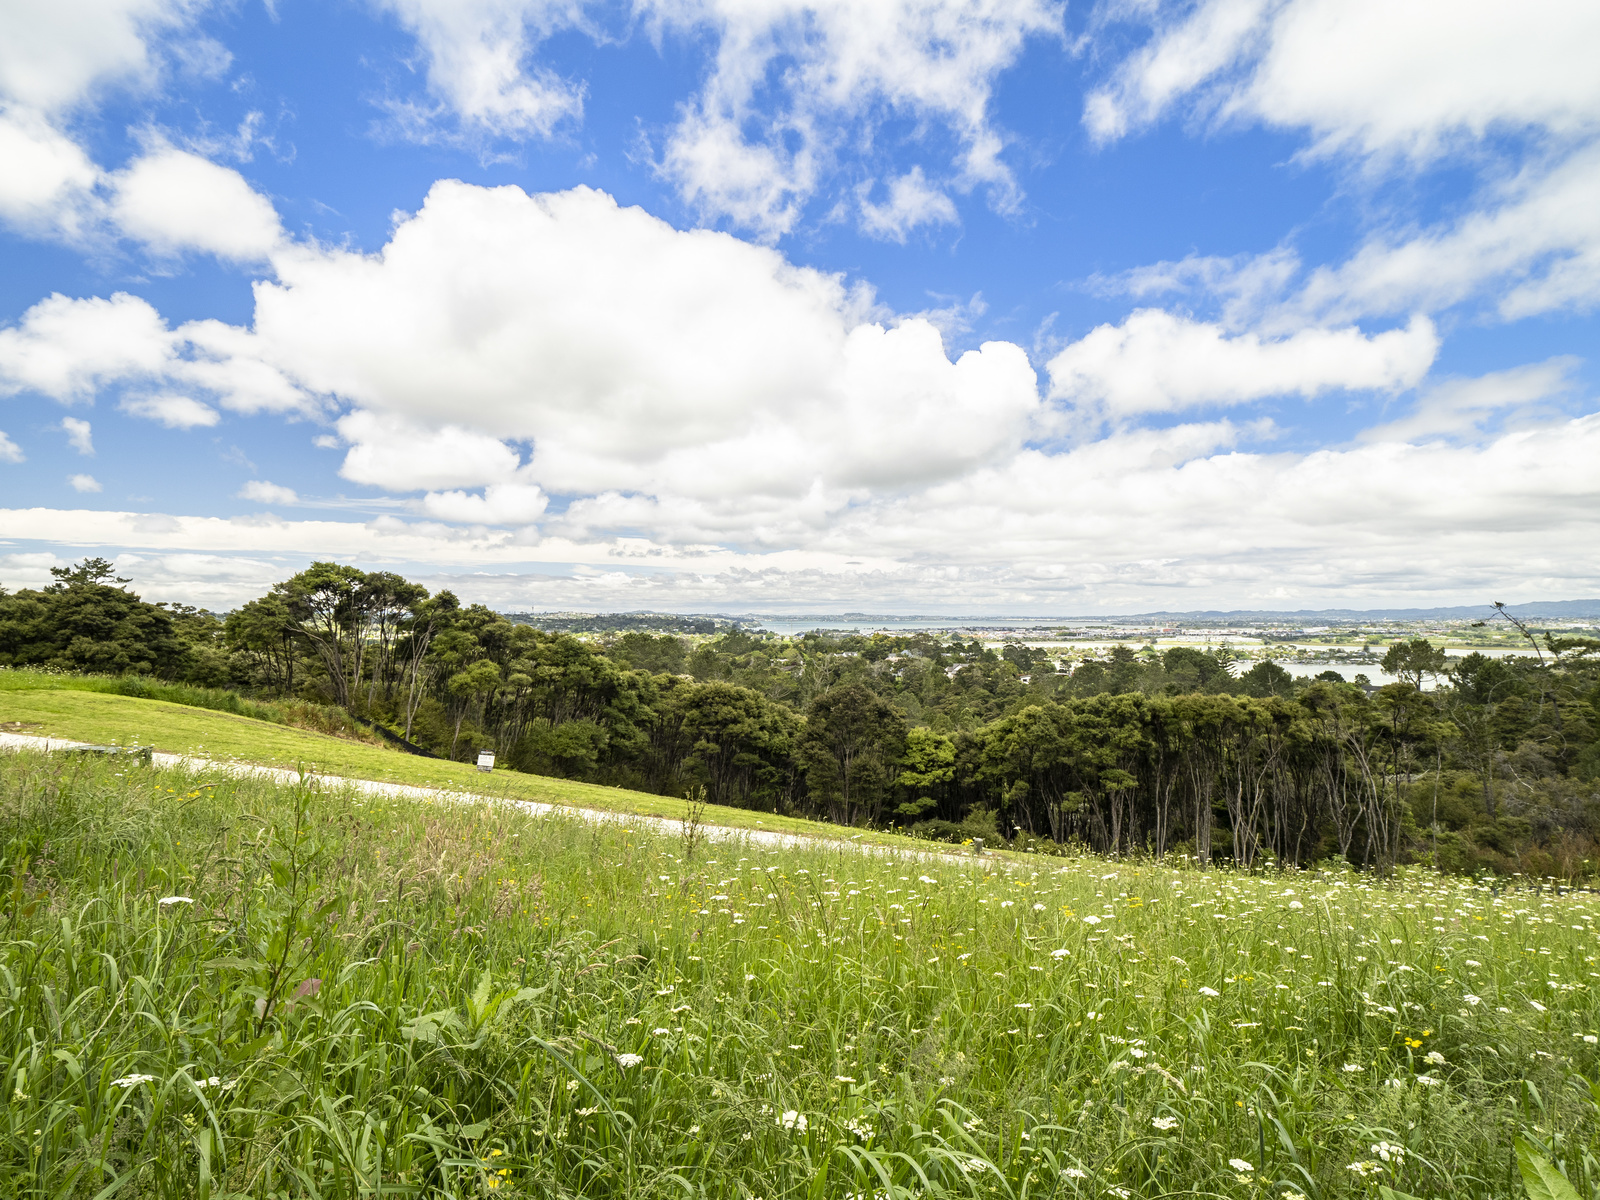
[(1410, 661), (851, 743), (741, 742), (927, 768), (324, 602), (83, 623), (265, 630)]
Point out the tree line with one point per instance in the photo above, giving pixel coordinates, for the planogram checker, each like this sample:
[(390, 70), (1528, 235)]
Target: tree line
[(1474, 764)]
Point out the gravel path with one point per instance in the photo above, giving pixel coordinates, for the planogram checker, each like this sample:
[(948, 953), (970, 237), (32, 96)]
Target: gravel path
[(372, 787)]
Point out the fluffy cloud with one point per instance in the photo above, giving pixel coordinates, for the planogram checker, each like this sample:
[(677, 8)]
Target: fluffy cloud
[(1510, 94), (401, 455), (174, 201), (10, 452), (792, 77), (478, 66), (634, 357), (79, 435), (500, 504), (1366, 75), (263, 492), (54, 56), (84, 483), (69, 350), (56, 60), (1175, 518), (1157, 362), (911, 202), (46, 189), (172, 410), (1460, 408)]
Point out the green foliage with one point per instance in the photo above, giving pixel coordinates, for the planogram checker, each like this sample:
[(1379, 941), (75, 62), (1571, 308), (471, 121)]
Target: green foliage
[(217, 987), (1497, 767)]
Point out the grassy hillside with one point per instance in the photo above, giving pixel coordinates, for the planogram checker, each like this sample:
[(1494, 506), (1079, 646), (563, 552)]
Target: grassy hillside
[(34, 703), (220, 987)]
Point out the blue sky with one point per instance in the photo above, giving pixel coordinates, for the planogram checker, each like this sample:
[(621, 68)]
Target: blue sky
[(916, 305)]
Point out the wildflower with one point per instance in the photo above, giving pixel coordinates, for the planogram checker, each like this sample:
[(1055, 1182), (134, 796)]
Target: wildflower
[(1121, 1193), (1038, 908), (1239, 1164), (1295, 904), (1059, 953), (1351, 1068), (1389, 1152), (1434, 1057), (844, 1079), (1164, 1123), (588, 1112), (1538, 1006), (1590, 1038), (129, 1081), (1205, 991), (1365, 1168), (1471, 999), (793, 1120), (572, 1085), (629, 1060), (1074, 1173), (166, 900), (1091, 919), (1024, 1004)]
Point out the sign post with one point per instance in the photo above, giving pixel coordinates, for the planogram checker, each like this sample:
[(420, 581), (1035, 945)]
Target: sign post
[(485, 760)]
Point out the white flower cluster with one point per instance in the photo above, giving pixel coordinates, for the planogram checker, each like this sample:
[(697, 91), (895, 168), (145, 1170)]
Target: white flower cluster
[(792, 1120)]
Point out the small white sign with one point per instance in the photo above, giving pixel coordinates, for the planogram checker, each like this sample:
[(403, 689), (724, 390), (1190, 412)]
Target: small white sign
[(485, 760)]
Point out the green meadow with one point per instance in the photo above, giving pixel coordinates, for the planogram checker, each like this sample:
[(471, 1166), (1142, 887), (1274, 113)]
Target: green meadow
[(215, 987), (93, 709)]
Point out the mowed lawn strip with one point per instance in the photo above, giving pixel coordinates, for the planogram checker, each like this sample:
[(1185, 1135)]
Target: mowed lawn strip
[(178, 729)]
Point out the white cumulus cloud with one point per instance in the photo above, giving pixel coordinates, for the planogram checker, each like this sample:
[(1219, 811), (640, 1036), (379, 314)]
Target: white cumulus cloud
[(10, 452), (263, 492), (633, 356), (171, 409), (793, 77), (1366, 75), (1156, 361), (174, 201), (55, 56), (911, 202), (79, 435), (70, 349), (480, 66), (84, 483)]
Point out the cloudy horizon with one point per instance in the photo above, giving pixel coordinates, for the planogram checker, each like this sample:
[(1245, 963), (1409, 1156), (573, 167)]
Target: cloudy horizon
[(916, 306)]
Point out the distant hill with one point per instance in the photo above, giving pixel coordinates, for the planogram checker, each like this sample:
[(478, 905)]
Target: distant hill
[(707, 623), (1549, 610), (645, 622)]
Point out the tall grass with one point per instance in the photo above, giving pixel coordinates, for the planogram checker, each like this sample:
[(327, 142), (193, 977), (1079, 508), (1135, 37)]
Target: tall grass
[(297, 714), (217, 987)]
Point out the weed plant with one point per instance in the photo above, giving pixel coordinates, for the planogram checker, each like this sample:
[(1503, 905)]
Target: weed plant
[(216, 987)]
